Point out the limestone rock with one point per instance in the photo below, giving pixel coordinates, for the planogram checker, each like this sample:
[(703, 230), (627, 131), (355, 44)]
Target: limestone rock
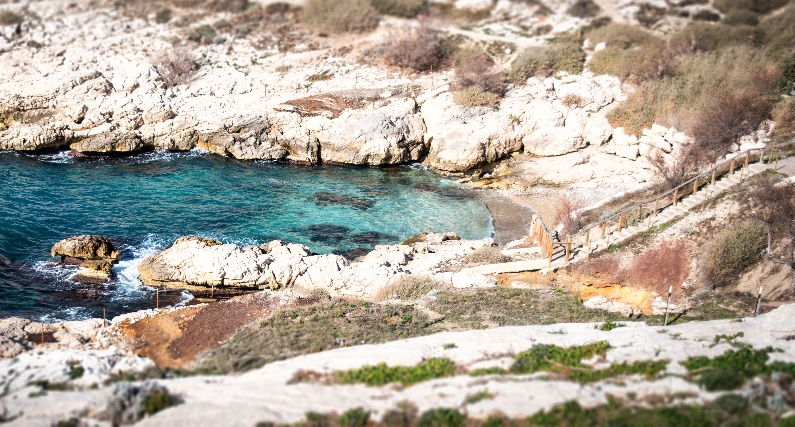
[(553, 141), (86, 248), (194, 262)]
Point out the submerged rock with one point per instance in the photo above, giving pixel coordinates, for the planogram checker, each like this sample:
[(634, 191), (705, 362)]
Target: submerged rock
[(323, 198), (94, 254)]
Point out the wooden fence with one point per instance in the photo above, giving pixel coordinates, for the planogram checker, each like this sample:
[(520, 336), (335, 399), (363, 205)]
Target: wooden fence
[(646, 210)]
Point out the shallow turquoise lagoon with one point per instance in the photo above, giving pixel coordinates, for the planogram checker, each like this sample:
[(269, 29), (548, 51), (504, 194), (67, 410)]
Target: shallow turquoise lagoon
[(145, 202)]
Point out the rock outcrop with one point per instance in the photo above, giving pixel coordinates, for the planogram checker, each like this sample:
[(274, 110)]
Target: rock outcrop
[(195, 262), (94, 254)]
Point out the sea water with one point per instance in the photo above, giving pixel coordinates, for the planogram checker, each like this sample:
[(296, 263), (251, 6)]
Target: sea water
[(146, 201)]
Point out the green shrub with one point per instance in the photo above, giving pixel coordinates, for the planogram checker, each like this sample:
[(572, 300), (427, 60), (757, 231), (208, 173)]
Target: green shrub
[(541, 357), (402, 8), (442, 417), (339, 16), (382, 374), (76, 372), (157, 400), (649, 61), (573, 100), (610, 325), (356, 417), (733, 251), (707, 37), (729, 370), (163, 15), (404, 415), (706, 15)]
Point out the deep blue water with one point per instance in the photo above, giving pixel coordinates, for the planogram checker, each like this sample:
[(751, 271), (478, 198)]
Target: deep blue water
[(145, 202)]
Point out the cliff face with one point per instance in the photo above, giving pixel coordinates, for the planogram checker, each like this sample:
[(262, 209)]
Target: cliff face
[(83, 78)]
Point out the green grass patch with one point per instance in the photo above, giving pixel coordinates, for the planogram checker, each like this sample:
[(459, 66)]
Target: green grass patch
[(382, 374), (734, 368), (609, 326)]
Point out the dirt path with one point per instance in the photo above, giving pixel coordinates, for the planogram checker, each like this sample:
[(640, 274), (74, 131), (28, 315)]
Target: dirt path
[(173, 338)]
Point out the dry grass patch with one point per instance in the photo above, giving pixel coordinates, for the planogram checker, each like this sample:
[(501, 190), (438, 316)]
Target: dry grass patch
[(340, 16), (410, 288), (401, 8), (477, 83), (543, 61), (487, 255)]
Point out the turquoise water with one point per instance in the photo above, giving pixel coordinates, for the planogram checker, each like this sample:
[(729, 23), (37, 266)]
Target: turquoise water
[(145, 202)]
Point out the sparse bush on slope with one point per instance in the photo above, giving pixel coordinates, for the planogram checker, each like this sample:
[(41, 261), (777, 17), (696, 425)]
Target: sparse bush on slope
[(340, 16)]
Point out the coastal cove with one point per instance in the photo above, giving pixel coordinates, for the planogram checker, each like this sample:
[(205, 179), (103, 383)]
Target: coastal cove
[(146, 201)]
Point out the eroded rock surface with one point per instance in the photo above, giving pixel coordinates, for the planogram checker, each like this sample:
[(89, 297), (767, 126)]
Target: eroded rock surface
[(94, 254)]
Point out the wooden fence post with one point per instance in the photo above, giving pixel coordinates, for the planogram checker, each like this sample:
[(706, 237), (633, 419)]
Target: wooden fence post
[(654, 212), (731, 168), (568, 248), (775, 166), (620, 222), (758, 301), (714, 172), (604, 226), (668, 303), (676, 195), (695, 185), (762, 156)]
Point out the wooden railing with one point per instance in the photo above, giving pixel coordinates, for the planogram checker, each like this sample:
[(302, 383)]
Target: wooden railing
[(645, 210)]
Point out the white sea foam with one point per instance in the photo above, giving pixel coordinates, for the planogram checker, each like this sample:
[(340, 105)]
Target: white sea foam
[(128, 287), (66, 314), (61, 157)]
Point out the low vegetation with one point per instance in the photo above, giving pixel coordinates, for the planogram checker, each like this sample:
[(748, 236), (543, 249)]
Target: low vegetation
[(733, 251), (543, 61), (341, 16), (487, 255), (477, 83), (691, 80), (401, 8), (8, 17), (734, 368), (175, 65), (422, 49), (382, 374), (410, 288)]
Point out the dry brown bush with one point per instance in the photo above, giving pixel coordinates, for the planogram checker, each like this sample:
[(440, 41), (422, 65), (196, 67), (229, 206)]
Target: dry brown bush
[(657, 268), (784, 117), (175, 65), (487, 255), (569, 217), (8, 17), (421, 50), (410, 288), (340, 16), (402, 8), (544, 61), (733, 251), (620, 36), (710, 98), (474, 68)]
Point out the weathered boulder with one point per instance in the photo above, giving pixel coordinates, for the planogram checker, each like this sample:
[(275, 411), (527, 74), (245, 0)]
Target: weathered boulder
[(94, 254), (194, 262), (553, 141), (86, 248)]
